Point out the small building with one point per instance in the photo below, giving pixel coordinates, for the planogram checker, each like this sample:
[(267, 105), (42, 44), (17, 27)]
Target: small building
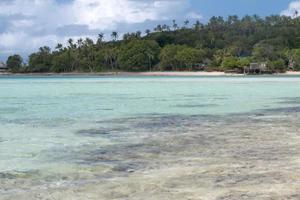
[(256, 68), (3, 67), (199, 66), (291, 65)]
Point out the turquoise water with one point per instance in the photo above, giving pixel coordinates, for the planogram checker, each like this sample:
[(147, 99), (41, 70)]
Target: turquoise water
[(49, 124)]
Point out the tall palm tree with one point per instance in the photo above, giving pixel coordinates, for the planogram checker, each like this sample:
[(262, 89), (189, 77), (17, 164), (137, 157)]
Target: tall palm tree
[(59, 47), (147, 31), (158, 28), (165, 27), (80, 42), (175, 25), (186, 23), (90, 55), (296, 13), (114, 35), (150, 56), (101, 36), (80, 46), (100, 39), (71, 59), (70, 42), (126, 36), (138, 34), (111, 57), (198, 25)]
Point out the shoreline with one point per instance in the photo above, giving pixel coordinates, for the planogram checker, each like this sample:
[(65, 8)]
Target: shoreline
[(145, 74)]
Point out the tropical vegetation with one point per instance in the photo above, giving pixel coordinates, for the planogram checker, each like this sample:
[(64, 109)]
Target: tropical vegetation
[(221, 44)]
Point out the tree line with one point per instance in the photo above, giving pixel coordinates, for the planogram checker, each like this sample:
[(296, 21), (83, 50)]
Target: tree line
[(220, 44)]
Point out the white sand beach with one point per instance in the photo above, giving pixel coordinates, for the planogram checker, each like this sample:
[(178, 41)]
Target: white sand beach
[(154, 73), (184, 73)]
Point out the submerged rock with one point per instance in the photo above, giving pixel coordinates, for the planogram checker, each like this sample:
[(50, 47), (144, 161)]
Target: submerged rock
[(93, 132)]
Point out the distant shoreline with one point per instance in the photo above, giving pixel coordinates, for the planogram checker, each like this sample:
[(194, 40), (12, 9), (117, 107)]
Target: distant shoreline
[(157, 73)]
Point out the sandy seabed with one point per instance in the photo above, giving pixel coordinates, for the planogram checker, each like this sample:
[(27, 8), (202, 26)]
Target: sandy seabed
[(247, 156)]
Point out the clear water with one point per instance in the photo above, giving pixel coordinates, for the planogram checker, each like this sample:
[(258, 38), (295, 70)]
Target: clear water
[(47, 123)]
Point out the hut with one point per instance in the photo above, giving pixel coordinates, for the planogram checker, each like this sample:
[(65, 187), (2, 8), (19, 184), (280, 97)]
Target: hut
[(3, 67), (291, 65), (199, 66), (256, 68)]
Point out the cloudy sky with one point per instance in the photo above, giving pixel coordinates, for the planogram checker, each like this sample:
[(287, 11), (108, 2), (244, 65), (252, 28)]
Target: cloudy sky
[(26, 25)]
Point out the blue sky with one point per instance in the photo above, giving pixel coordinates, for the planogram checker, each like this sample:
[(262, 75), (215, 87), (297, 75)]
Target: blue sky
[(25, 25), (209, 8)]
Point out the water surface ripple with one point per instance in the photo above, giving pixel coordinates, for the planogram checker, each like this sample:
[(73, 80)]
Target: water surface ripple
[(149, 138)]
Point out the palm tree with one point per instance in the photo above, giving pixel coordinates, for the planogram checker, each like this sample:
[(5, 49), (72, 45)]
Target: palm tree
[(59, 46), (257, 19), (147, 31), (165, 27), (80, 42), (100, 39), (197, 25), (111, 56), (89, 53), (114, 35), (150, 56), (126, 36), (186, 23), (175, 25), (80, 46), (138, 34), (71, 59), (70, 41), (232, 19), (45, 50), (158, 28), (296, 13)]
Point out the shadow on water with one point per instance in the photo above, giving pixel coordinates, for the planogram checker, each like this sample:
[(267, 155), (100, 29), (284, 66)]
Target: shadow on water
[(179, 135), (290, 100), (93, 132), (197, 105), (283, 110)]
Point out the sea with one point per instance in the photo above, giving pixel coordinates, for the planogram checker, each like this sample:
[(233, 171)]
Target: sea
[(133, 137)]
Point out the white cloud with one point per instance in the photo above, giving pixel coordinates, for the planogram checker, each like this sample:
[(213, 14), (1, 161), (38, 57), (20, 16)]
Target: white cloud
[(291, 10), (194, 15), (10, 39), (107, 14), (29, 24)]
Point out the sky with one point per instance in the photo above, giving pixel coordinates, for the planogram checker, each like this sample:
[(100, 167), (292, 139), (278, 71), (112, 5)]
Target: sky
[(26, 25)]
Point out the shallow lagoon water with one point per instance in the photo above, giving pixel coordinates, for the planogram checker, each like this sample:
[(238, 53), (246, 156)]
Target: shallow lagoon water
[(149, 137)]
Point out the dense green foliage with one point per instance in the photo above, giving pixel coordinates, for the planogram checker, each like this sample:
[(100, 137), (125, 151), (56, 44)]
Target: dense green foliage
[(220, 44), (41, 61), (14, 63), (180, 57), (138, 55), (294, 58)]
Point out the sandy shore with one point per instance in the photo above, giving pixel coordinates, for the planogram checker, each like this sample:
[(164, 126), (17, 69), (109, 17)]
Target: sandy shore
[(215, 73), (292, 73), (184, 74), (155, 73)]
